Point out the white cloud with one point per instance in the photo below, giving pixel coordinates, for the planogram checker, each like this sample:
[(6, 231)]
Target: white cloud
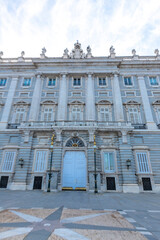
[(56, 24)]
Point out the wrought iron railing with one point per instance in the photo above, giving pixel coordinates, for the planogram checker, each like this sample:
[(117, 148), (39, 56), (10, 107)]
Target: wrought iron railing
[(139, 125), (13, 125), (75, 123)]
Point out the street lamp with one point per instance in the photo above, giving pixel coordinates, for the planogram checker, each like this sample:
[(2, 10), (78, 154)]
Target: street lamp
[(50, 168), (95, 171)]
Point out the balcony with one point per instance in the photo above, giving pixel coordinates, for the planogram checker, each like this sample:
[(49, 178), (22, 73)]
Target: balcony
[(139, 125), (13, 125), (158, 125), (75, 124)]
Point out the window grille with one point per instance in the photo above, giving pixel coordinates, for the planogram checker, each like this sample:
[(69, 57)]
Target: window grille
[(142, 163), (8, 161), (75, 142), (40, 161)]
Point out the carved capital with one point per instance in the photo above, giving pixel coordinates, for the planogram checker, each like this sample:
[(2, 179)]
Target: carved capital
[(124, 136), (91, 135)]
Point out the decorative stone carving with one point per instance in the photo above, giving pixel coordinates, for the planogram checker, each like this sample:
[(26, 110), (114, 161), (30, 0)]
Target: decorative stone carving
[(108, 141), (65, 54), (58, 135), (26, 136), (1, 54), (21, 58), (124, 136), (77, 52), (89, 53), (91, 135), (112, 52), (135, 57), (156, 51), (43, 53)]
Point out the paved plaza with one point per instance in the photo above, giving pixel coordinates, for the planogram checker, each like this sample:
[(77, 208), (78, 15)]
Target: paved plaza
[(78, 216)]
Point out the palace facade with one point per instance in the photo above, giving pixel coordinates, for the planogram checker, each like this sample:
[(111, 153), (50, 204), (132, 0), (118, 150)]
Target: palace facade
[(76, 97)]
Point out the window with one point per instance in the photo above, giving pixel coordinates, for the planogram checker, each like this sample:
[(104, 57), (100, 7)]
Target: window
[(153, 81), (3, 81), (27, 82), (158, 114), (142, 161), (102, 81), (40, 161), (48, 114), (133, 115), (20, 114), (109, 165), (52, 82), (76, 113), (76, 82), (8, 162), (127, 81), (104, 114)]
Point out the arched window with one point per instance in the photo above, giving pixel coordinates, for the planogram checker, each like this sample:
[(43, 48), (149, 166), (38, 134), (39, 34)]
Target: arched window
[(75, 142)]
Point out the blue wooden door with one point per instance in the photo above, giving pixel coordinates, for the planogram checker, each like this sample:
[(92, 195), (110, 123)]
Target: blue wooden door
[(74, 170)]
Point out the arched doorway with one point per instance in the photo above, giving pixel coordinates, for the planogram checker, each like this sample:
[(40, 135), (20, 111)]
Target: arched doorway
[(74, 165)]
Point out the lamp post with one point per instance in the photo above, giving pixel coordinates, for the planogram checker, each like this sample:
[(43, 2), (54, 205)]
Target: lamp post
[(95, 170), (50, 168)]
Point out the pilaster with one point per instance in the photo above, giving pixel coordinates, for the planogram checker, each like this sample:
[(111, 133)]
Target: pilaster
[(8, 104), (62, 101), (146, 104), (35, 105), (90, 99), (118, 106)]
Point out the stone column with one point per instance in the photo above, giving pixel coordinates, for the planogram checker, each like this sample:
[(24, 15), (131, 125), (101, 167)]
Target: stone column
[(62, 101), (35, 105), (90, 99), (8, 104), (118, 106), (146, 104)]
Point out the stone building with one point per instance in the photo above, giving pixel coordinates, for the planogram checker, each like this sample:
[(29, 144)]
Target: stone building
[(75, 97)]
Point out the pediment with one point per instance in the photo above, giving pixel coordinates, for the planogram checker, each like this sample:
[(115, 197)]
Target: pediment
[(156, 102), (132, 103), (22, 103), (76, 103), (48, 102), (104, 102)]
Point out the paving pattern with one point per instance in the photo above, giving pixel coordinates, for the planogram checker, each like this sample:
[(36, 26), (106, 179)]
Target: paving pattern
[(70, 224)]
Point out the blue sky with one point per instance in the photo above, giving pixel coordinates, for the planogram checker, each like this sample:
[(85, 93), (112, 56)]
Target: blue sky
[(29, 25)]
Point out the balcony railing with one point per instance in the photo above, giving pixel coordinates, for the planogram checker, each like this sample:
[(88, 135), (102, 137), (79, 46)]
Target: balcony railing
[(139, 125), (13, 125), (39, 124)]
